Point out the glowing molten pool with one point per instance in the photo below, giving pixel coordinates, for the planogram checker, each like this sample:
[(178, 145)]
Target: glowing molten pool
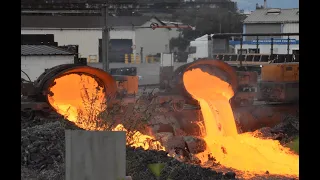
[(80, 100), (239, 151), (78, 97)]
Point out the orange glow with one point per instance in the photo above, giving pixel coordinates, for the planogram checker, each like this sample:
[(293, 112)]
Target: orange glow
[(243, 152), (80, 100), (137, 139), (78, 97)]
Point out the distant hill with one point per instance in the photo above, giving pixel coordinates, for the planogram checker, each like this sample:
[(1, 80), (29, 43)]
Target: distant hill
[(135, 4)]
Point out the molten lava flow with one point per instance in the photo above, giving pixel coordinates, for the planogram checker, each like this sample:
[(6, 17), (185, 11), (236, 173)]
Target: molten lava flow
[(137, 139), (78, 98), (239, 151)]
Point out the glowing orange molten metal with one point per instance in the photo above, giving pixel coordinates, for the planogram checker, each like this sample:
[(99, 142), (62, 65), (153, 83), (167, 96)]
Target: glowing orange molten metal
[(77, 95), (80, 99), (240, 151)]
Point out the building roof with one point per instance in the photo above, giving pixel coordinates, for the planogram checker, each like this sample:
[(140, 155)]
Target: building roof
[(80, 21), (42, 50), (273, 16)]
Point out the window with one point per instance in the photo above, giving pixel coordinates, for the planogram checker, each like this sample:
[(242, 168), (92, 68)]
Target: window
[(273, 11)]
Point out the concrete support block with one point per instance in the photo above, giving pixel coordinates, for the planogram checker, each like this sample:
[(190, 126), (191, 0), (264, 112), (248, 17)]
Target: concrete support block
[(95, 155)]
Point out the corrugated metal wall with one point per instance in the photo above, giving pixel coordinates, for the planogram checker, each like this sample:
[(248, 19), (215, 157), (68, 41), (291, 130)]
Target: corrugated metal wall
[(88, 40), (291, 28), (34, 66), (262, 28)]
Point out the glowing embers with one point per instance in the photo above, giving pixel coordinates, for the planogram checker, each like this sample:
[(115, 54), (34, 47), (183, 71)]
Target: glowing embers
[(79, 98), (137, 139), (239, 151)]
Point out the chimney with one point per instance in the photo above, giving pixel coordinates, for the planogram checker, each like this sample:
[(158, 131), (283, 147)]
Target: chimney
[(265, 4)]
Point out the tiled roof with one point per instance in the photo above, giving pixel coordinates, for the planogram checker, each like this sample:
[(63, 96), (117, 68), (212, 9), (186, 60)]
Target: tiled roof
[(273, 16), (36, 50)]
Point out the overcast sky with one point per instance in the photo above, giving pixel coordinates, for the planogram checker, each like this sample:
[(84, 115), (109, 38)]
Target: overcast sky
[(251, 4)]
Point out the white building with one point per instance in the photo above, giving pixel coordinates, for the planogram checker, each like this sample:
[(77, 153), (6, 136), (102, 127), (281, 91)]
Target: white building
[(35, 59), (280, 46), (128, 34), (271, 21)]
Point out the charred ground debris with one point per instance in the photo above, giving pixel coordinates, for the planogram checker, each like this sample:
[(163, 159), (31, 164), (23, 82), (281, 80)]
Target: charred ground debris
[(43, 151)]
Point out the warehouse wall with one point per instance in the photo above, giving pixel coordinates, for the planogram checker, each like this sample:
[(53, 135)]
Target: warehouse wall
[(87, 39), (34, 66)]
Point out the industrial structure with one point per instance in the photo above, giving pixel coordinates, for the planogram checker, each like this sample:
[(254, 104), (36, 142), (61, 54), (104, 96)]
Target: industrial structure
[(128, 34), (270, 21), (218, 46), (36, 59)]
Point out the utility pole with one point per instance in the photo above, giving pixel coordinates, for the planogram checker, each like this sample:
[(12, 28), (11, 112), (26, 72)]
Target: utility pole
[(240, 56), (105, 39)]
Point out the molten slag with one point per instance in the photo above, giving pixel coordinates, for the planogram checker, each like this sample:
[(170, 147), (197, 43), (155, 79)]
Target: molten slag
[(239, 151), (80, 99)]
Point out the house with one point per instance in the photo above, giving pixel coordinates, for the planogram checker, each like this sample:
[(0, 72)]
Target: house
[(271, 21), (35, 59), (128, 34)]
